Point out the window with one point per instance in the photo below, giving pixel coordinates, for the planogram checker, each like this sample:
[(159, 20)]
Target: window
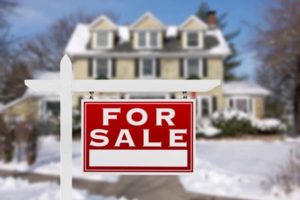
[(148, 39), (243, 104), (102, 68), (147, 68), (193, 67), (142, 39), (204, 106), (52, 108), (153, 39), (192, 39), (102, 39)]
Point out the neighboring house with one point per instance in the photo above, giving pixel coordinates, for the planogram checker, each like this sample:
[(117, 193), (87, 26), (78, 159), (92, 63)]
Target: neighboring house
[(149, 49), (32, 104)]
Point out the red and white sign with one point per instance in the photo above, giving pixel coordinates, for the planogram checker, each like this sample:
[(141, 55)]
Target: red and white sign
[(138, 136)]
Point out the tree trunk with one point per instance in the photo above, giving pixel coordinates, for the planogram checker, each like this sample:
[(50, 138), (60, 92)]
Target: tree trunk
[(296, 100)]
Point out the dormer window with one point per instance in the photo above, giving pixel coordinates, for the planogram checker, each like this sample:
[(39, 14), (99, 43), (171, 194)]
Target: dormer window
[(148, 39), (102, 39), (153, 39), (103, 32), (142, 43), (192, 39)]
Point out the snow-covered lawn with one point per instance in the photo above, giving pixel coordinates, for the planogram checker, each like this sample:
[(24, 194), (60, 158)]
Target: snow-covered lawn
[(238, 169), (48, 161), (226, 168), (18, 189)]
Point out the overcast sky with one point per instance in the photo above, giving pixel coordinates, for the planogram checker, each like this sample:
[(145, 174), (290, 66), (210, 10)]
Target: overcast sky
[(33, 16)]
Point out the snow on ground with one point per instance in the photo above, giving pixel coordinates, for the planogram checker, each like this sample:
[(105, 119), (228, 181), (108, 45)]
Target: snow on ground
[(48, 162), (18, 189), (229, 168), (238, 168)]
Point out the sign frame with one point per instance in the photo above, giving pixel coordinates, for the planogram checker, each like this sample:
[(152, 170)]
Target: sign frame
[(143, 172)]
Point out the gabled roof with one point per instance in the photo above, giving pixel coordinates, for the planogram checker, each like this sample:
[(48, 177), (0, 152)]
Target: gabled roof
[(195, 18), (244, 88), (147, 14), (103, 18)]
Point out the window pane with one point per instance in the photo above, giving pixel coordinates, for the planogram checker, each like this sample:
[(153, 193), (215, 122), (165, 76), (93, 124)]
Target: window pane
[(205, 107), (153, 39), (102, 39), (241, 104), (142, 39), (102, 68), (52, 108), (192, 39), (192, 67), (147, 67)]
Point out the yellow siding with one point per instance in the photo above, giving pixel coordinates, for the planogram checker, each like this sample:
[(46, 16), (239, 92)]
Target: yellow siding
[(103, 24), (215, 68), (148, 23), (80, 69), (125, 69), (169, 68), (259, 107), (193, 25), (29, 108)]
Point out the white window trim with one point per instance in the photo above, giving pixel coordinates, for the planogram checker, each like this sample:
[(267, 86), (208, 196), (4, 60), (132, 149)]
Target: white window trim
[(148, 41), (247, 98), (109, 71), (109, 42), (185, 35), (199, 99), (141, 76), (200, 67)]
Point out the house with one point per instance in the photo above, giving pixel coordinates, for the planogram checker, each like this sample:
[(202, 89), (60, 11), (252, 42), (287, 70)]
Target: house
[(150, 49)]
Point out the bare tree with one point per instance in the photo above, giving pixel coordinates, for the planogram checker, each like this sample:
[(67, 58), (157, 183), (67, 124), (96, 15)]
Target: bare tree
[(46, 49), (278, 47), (6, 39)]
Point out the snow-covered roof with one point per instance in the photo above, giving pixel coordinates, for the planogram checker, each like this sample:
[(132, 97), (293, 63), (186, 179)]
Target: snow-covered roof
[(78, 43), (222, 47), (244, 88)]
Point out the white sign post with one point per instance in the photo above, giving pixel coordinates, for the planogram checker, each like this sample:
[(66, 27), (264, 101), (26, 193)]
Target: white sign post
[(66, 85)]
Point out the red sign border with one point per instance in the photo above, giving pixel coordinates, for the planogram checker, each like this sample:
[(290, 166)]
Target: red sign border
[(141, 170)]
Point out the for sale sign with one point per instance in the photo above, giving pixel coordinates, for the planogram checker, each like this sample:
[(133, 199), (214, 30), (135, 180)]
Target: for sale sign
[(138, 136)]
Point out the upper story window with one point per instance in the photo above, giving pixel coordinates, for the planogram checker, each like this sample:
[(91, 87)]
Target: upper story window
[(193, 68), (148, 39), (102, 68), (102, 39), (192, 39), (153, 39), (142, 39), (147, 68)]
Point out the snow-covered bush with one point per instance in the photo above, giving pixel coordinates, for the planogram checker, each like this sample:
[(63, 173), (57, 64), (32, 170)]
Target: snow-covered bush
[(269, 126), (233, 122), (207, 129)]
